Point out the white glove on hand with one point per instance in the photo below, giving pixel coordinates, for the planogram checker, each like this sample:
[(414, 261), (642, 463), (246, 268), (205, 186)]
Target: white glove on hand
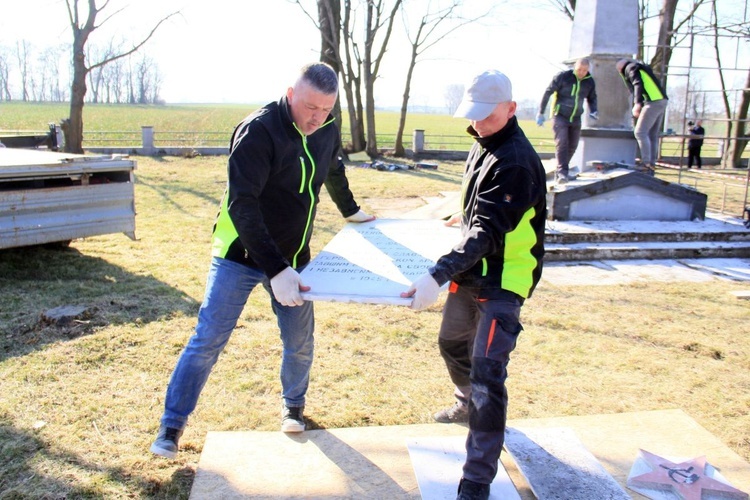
[(286, 287), (360, 217), (636, 110), (425, 292)]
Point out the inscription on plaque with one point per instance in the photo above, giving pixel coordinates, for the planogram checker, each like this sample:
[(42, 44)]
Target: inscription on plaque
[(373, 262)]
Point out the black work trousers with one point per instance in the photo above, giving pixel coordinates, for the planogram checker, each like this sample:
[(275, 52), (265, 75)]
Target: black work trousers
[(694, 155), (476, 339)]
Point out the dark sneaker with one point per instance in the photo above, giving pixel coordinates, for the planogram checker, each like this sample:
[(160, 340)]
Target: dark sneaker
[(292, 419), (469, 490), (456, 414), (561, 180), (166, 443)]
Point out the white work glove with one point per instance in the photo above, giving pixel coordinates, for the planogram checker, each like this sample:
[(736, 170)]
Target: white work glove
[(425, 292), (360, 217), (286, 287)]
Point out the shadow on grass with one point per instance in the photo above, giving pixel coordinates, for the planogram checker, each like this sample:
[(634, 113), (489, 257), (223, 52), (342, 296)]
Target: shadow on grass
[(25, 459), (37, 279), (168, 192)]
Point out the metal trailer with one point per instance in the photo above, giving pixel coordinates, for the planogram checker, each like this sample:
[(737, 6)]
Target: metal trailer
[(50, 197)]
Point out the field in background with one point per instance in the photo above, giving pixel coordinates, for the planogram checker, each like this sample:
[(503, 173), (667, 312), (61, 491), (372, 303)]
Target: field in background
[(220, 120), (81, 402)]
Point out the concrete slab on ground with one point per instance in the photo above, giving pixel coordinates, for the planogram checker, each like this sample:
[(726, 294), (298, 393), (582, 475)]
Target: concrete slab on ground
[(374, 462)]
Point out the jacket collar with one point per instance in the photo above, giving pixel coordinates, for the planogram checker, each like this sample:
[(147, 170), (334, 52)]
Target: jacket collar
[(498, 137)]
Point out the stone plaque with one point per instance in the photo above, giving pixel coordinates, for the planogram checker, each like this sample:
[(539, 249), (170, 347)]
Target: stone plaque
[(373, 262), (438, 464), (557, 465)]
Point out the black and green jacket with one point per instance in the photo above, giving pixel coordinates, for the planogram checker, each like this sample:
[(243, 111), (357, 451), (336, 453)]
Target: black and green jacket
[(274, 177), (570, 92), (504, 210), (642, 83)]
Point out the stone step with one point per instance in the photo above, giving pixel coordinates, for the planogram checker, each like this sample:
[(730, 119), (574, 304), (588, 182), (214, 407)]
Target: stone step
[(601, 237), (716, 236), (645, 250)]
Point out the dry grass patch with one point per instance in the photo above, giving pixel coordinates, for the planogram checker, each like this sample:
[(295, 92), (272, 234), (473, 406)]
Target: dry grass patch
[(81, 404)]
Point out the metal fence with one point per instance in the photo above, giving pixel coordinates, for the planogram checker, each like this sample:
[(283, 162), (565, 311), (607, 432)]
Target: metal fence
[(727, 189)]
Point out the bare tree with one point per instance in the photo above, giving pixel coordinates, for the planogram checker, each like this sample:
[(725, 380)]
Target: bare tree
[(49, 70), (4, 78), (95, 75), (358, 62), (147, 81), (377, 17), (567, 7), (736, 135), (22, 58), (665, 42), (114, 81), (82, 29), (427, 33), (453, 95)]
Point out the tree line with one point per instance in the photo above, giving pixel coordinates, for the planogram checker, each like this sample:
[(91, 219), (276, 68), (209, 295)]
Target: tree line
[(32, 74), (354, 37)]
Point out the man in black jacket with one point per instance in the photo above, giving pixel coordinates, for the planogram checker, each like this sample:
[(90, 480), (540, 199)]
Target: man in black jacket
[(649, 105), (570, 88), (695, 143), (494, 268), (280, 156)]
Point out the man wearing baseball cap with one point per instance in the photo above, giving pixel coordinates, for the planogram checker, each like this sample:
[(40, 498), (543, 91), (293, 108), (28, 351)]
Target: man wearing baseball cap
[(491, 272)]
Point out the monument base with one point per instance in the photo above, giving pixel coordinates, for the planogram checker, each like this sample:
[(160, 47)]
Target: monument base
[(606, 145)]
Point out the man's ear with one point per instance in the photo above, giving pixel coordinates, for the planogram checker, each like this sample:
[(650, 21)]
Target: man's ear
[(289, 94), (512, 109)]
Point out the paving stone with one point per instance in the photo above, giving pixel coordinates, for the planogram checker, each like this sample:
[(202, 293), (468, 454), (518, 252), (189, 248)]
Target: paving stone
[(557, 465)]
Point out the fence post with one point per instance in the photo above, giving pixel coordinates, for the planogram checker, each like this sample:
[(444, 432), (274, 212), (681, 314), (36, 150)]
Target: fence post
[(147, 139), (418, 141)]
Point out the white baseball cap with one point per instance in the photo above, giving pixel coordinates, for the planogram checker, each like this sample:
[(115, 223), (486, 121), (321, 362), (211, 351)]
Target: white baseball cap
[(486, 91)]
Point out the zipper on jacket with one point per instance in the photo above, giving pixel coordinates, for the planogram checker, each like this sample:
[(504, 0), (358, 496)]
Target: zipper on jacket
[(302, 169), (574, 92), (309, 191)]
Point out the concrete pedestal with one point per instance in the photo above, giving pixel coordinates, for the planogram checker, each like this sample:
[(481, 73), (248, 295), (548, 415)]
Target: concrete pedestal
[(607, 145)]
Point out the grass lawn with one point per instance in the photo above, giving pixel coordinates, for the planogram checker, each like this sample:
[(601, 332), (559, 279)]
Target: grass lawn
[(81, 402)]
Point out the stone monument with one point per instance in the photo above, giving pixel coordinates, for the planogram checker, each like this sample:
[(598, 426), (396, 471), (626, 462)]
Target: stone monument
[(605, 31)]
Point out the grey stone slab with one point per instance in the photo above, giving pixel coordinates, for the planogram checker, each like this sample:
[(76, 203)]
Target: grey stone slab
[(558, 466), (438, 464), (374, 262)]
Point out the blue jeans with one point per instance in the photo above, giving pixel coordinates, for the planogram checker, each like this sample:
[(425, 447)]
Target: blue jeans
[(228, 286)]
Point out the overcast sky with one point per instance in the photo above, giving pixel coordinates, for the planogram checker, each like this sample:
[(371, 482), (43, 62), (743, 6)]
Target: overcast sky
[(249, 51)]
